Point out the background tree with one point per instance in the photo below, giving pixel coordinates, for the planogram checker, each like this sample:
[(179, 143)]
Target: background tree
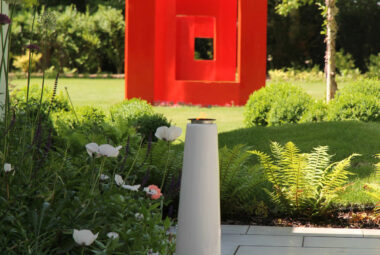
[(329, 11)]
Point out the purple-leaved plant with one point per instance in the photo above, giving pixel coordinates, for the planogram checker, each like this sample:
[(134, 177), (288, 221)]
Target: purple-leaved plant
[(4, 19)]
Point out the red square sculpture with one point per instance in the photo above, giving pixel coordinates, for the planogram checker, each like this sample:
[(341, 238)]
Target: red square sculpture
[(161, 62)]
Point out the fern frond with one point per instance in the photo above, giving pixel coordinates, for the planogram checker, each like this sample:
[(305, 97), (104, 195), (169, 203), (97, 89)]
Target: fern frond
[(377, 167), (303, 182), (373, 190), (334, 180), (317, 162), (270, 169), (238, 182)]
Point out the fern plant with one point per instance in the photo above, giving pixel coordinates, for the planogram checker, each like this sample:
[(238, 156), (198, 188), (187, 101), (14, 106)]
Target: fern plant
[(303, 183), (373, 190), (238, 181)]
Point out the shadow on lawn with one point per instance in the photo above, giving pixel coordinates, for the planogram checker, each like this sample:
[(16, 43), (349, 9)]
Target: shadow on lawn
[(342, 138)]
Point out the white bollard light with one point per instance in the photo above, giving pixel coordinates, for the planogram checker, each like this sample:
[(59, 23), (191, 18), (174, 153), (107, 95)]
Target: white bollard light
[(199, 206)]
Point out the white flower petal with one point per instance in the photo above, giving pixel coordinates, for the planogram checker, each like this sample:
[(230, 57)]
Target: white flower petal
[(133, 188), (150, 252), (113, 235), (92, 148), (150, 191), (84, 237), (173, 133), (139, 216), (119, 180), (162, 133), (108, 150), (7, 167), (104, 177)]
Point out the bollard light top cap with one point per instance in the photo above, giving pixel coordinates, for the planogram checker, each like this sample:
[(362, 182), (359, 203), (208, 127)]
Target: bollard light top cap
[(202, 121)]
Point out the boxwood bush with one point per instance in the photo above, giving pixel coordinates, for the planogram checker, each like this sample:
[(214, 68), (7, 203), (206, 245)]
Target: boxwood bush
[(357, 101), (276, 104), (130, 110)]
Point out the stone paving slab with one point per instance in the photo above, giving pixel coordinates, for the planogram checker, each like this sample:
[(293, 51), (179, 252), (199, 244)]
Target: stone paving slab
[(254, 250), (235, 229), (230, 243), (341, 242), (371, 233), (338, 232), (264, 240)]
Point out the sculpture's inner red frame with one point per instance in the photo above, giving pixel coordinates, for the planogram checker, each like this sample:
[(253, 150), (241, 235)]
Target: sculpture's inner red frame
[(160, 37)]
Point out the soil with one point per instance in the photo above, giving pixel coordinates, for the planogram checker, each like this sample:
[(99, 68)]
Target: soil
[(350, 217)]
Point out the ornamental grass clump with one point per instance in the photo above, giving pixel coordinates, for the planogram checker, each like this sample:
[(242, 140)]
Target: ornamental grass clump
[(304, 184)]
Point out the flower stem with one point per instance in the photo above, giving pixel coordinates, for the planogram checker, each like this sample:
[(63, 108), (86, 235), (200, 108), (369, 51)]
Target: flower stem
[(82, 250), (166, 168), (134, 160)]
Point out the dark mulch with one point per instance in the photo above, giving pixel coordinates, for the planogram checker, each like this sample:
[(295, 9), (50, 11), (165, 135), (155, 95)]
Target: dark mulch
[(347, 217)]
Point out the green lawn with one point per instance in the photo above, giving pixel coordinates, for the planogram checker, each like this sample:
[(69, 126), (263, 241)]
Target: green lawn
[(96, 92)]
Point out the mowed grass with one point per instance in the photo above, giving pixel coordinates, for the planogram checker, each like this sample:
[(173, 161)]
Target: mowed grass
[(343, 138), (95, 92)]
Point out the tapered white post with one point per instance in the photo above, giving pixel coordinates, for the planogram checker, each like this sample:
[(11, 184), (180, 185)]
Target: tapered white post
[(4, 10), (199, 207)]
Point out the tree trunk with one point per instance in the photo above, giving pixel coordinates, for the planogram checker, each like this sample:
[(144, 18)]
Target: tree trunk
[(3, 86), (330, 68)]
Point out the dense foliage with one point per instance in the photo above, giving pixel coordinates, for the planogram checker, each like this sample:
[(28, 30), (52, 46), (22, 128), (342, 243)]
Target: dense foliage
[(303, 184), (53, 186), (295, 41), (96, 31), (357, 101), (276, 104), (240, 184), (279, 103), (71, 40)]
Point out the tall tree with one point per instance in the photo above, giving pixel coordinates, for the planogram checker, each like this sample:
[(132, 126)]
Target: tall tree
[(329, 12)]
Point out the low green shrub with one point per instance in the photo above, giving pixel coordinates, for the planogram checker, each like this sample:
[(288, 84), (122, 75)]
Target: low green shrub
[(60, 102), (130, 110), (276, 104), (357, 101), (317, 112), (146, 125), (374, 66), (345, 65), (303, 183), (88, 123), (292, 74)]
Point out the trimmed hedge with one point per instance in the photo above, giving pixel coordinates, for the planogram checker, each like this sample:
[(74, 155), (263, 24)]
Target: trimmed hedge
[(284, 103), (276, 104)]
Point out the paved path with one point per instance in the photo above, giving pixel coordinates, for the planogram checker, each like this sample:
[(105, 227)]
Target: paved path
[(258, 240)]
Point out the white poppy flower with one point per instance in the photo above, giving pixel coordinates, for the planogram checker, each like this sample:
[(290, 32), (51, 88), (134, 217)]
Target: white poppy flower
[(92, 148), (168, 133), (150, 252), (84, 237), (113, 235), (104, 177), (174, 132), (139, 216), (109, 151), (7, 167), (129, 187), (119, 180)]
